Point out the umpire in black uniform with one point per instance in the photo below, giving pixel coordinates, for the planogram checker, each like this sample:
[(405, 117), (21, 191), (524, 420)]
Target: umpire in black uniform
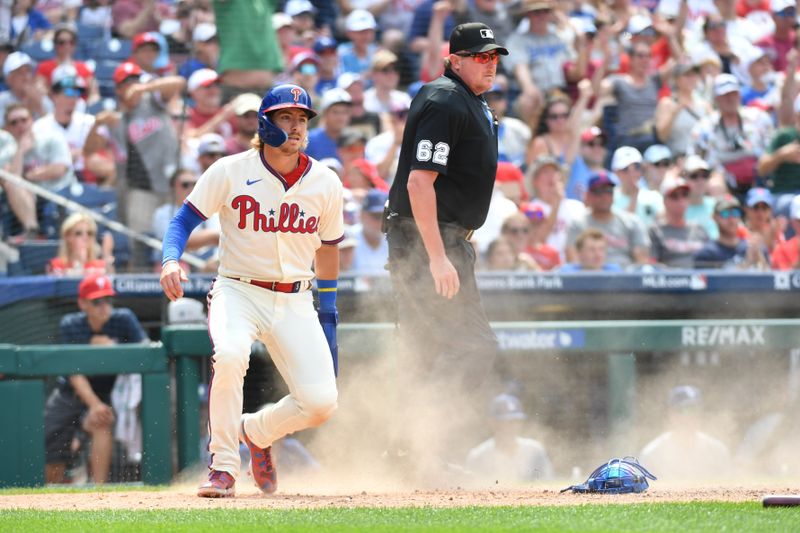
[(440, 194)]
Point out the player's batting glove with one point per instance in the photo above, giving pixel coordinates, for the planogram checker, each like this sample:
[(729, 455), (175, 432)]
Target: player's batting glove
[(329, 317), (328, 320)]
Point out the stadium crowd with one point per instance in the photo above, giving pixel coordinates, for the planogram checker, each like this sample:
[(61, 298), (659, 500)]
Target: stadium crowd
[(634, 134)]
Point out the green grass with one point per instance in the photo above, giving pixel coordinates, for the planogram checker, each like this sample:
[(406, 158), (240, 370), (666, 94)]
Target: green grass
[(668, 517), (68, 489)]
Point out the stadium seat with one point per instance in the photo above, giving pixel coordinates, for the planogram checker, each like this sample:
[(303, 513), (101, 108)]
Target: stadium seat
[(90, 38), (33, 258), (104, 202), (40, 50), (113, 49), (104, 74)]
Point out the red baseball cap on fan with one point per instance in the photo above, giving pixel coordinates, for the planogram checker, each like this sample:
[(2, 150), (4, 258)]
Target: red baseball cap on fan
[(95, 286), (126, 70)]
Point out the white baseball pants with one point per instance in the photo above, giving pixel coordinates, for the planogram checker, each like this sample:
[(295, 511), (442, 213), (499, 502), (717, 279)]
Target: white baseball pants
[(238, 314)]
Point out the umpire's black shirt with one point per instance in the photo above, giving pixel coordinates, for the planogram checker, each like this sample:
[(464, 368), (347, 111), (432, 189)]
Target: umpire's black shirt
[(452, 131)]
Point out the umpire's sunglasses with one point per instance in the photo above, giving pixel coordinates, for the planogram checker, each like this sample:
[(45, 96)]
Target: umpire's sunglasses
[(482, 58)]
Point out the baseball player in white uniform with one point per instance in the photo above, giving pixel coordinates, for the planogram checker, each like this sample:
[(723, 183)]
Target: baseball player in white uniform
[(279, 212)]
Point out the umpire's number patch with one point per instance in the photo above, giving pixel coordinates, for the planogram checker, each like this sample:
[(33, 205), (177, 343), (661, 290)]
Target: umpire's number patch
[(438, 154)]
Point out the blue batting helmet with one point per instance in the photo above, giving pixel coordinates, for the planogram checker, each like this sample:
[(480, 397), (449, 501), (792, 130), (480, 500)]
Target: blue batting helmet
[(281, 97)]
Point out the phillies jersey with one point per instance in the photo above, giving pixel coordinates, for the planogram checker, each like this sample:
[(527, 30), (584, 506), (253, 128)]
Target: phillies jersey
[(269, 231)]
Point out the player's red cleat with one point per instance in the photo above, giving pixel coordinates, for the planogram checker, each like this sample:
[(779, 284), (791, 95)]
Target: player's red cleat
[(219, 485), (261, 465)]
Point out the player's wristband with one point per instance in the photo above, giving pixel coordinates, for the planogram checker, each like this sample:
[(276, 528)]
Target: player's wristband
[(326, 288)]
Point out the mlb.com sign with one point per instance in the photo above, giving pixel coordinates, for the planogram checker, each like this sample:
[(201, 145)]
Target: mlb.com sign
[(715, 336), (786, 281)]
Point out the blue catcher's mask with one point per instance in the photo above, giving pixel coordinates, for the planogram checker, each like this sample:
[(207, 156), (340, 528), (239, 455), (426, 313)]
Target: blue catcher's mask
[(283, 96), (618, 476)]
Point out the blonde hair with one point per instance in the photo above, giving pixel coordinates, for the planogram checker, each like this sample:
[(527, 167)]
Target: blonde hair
[(68, 225), (257, 144)]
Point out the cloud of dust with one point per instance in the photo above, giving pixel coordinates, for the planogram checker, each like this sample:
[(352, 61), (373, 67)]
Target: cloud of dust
[(742, 431)]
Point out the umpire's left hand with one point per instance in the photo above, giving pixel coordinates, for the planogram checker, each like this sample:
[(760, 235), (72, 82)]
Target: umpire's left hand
[(445, 277)]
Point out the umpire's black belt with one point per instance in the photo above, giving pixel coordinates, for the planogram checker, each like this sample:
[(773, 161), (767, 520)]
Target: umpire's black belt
[(448, 230)]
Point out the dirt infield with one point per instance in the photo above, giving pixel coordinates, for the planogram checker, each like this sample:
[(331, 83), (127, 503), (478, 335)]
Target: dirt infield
[(183, 497)]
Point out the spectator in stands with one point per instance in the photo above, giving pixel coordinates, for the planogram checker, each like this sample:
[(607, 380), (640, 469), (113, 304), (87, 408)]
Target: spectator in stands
[(547, 182), (346, 252), (305, 72), (555, 131), (592, 253), (287, 37), (538, 214), (514, 136), (760, 88), (627, 239), (355, 55), (536, 58), (369, 123), (79, 253), (384, 150), (589, 160), (205, 50), (207, 115), (143, 141), (335, 110), (23, 87), (95, 13), (204, 240), (760, 220), (786, 255), (372, 251), (66, 90), (657, 161), (716, 40), (674, 242), (146, 50), (383, 96), (27, 23), (325, 48), (302, 13), (684, 452), (677, 115), (733, 138), (730, 250), (507, 457), (778, 43), (131, 17), (697, 174), (494, 14), (636, 95), (246, 123), (632, 195), (43, 155), (500, 256), (781, 162), (65, 41), (517, 230), (83, 403), (210, 148)]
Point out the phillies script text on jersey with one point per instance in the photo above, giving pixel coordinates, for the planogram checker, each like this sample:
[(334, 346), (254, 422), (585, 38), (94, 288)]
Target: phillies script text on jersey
[(290, 219)]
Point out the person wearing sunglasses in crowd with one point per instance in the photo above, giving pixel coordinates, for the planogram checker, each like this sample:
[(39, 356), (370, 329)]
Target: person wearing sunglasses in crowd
[(441, 193), (633, 194), (674, 242), (204, 239), (383, 96), (730, 250), (79, 253), (697, 174), (65, 44), (677, 115), (42, 156), (759, 218), (67, 88), (657, 162), (81, 405)]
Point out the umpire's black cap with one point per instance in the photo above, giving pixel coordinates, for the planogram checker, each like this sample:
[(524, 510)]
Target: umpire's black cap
[(474, 37)]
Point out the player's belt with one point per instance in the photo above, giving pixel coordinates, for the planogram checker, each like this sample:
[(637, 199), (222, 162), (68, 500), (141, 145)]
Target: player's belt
[(276, 286)]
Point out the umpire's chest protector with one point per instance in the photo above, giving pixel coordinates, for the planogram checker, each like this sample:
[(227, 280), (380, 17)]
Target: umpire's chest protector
[(452, 131)]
